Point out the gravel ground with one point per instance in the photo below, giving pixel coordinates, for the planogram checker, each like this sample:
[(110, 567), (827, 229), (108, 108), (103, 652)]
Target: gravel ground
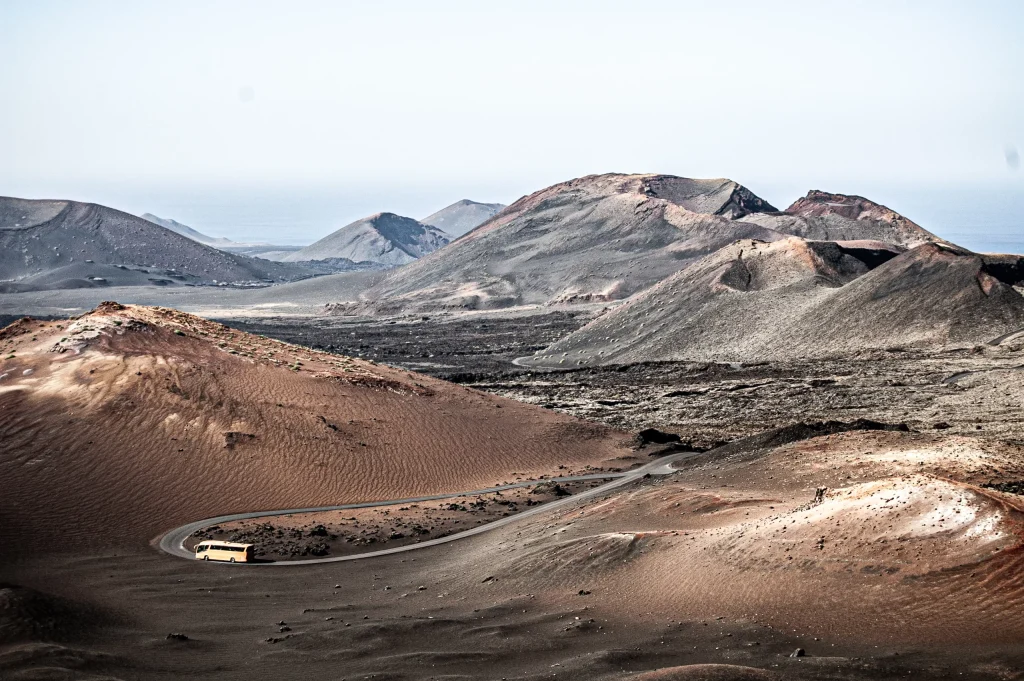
[(973, 390)]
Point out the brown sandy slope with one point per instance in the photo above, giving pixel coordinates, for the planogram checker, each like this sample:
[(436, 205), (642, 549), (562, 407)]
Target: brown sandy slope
[(840, 217), (130, 421), (794, 298), (879, 537), (601, 237), (716, 573), (706, 672)]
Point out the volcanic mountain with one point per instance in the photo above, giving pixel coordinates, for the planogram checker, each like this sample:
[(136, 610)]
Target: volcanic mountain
[(462, 216), (600, 237), (67, 244), (234, 422), (793, 298), (606, 237), (839, 217), (384, 238)]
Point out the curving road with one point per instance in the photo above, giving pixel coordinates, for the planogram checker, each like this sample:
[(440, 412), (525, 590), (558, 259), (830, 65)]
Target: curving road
[(173, 542)]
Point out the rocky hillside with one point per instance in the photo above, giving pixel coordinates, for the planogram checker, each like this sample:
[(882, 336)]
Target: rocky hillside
[(463, 216), (384, 238), (601, 237), (607, 237), (838, 217), (794, 298), (63, 242)]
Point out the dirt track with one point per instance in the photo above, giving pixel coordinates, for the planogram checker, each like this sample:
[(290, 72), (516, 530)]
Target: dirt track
[(173, 542)]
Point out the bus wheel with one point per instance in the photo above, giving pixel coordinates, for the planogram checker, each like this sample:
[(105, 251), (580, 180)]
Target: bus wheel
[(232, 560), (206, 558)]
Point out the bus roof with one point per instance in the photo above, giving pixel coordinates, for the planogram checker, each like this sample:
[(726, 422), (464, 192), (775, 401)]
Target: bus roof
[(214, 542)]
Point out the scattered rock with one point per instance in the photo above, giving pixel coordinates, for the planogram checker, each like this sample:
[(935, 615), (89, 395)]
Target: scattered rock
[(550, 488), (233, 438), (1013, 487), (654, 436)]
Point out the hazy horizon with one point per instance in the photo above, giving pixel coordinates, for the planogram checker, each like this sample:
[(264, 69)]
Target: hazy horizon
[(982, 218), (257, 122)]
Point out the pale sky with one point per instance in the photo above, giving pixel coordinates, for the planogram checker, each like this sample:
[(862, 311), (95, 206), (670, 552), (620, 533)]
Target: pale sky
[(233, 116)]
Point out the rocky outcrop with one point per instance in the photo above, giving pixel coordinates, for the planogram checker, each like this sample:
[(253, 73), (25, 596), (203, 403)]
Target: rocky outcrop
[(794, 298)]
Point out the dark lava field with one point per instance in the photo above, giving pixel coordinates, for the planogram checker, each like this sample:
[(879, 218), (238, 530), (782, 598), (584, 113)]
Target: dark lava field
[(706, 404)]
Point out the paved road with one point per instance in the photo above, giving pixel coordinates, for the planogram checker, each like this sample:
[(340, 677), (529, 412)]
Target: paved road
[(174, 541)]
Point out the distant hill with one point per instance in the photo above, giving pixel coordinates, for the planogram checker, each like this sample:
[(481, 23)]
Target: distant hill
[(263, 250), (794, 298), (463, 216), (67, 244), (185, 230), (384, 238)]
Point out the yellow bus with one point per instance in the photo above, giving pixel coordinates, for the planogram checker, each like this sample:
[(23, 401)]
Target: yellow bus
[(227, 551)]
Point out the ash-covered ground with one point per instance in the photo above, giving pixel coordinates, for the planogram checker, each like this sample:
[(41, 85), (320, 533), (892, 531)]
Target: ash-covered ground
[(346, 532), (970, 390), (456, 348)]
